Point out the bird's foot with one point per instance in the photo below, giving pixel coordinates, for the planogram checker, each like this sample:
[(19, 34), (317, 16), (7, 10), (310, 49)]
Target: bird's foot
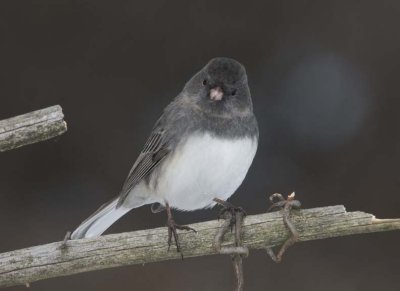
[(286, 205), (172, 227)]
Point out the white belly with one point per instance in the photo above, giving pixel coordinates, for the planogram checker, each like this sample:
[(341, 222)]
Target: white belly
[(203, 168)]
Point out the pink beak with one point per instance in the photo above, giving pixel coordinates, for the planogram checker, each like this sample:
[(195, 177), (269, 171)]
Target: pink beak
[(216, 93)]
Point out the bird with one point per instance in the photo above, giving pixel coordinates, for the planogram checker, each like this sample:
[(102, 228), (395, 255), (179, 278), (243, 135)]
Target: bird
[(199, 151)]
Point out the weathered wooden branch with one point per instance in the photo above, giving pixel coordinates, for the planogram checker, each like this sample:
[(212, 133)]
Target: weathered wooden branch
[(145, 246), (31, 127)]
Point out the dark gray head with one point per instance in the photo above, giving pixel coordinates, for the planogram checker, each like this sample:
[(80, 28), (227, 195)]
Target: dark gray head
[(220, 88)]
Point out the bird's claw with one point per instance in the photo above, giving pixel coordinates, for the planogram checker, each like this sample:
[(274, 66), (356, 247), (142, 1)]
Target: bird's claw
[(172, 227)]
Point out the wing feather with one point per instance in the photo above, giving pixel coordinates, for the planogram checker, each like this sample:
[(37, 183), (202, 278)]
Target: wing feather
[(154, 151)]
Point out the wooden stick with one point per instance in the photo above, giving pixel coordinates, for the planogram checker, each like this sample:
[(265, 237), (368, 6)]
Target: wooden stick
[(32, 127), (28, 265)]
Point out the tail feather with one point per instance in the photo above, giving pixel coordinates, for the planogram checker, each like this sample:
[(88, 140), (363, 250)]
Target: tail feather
[(102, 219)]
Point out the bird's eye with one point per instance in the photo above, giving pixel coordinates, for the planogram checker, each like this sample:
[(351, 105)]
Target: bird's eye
[(204, 82), (233, 92)]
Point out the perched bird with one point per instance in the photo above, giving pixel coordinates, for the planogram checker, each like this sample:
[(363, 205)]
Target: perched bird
[(199, 149)]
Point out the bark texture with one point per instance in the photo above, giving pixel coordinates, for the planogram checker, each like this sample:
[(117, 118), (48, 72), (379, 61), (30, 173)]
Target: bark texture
[(31, 127), (28, 265)]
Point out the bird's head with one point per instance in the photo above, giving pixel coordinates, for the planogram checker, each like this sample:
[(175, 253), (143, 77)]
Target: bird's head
[(220, 87)]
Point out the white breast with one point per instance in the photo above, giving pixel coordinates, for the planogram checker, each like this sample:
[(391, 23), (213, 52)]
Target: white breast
[(203, 168)]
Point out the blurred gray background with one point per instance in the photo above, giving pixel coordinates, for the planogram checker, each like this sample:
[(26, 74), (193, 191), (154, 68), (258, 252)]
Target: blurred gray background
[(324, 76)]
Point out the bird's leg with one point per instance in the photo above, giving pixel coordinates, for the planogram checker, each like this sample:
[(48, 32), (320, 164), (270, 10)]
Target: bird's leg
[(172, 227), (286, 205), (233, 217)]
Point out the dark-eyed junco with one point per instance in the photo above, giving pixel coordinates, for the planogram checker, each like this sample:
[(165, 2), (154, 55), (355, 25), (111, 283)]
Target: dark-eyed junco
[(200, 149)]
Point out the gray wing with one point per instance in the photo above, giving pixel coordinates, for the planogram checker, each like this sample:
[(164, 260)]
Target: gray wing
[(154, 151)]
